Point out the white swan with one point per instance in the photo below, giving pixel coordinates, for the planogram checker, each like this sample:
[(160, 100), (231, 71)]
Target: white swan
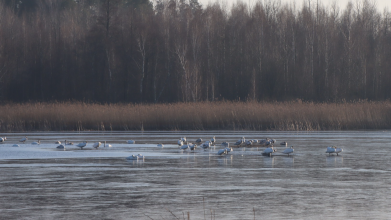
[(330, 150), (338, 150), (180, 142), (82, 144), (36, 143), (131, 142), (160, 145), (240, 141), (284, 143), (267, 142), (58, 142), (255, 141), (185, 147), (333, 149), (68, 143), (23, 139), (136, 157), (288, 151), (96, 145), (2, 140), (225, 144), (193, 147), (249, 142), (206, 145), (213, 140), (108, 145), (224, 151), (61, 147), (268, 151), (199, 140)]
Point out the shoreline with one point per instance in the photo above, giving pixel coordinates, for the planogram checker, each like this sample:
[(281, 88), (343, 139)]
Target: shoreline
[(201, 116)]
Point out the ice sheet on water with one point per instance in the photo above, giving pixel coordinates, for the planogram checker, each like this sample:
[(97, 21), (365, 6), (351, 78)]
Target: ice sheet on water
[(102, 184), (49, 151)]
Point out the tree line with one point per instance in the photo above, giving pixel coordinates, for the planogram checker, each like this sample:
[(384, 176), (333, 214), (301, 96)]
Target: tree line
[(113, 51)]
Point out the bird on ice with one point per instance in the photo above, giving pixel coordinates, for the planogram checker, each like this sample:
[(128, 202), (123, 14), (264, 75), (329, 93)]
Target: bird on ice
[(288, 151), (23, 139), (96, 145), (2, 139), (82, 144)]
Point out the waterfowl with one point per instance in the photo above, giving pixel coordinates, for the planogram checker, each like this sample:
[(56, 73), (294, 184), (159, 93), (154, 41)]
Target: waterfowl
[(240, 141), (185, 147), (254, 141), (199, 140), (108, 145), (224, 151), (338, 150), (333, 149), (131, 142), (24, 139), (268, 151), (96, 145), (136, 157), (82, 144), (267, 142), (36, 143), (61, 146), (206, 145), (160, 145), (213, 140), (330, 150), (249, 142), (2, 140), (288, 151)]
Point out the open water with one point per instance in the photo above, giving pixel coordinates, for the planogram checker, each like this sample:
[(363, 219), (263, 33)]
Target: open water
[(42, 182)]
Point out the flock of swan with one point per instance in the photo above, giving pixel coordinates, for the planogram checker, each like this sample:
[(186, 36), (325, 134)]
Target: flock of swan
[(183, 144), (81, 145)]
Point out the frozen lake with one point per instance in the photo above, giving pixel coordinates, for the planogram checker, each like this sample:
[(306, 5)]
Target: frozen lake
[(42, 182)]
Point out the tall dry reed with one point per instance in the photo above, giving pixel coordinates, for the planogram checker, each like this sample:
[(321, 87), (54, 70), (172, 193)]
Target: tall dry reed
[(196, 116)]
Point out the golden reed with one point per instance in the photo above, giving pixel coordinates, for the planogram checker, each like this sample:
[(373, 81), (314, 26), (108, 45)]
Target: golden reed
[(287, 116)]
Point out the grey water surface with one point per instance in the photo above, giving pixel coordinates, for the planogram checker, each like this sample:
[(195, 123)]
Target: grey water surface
[(42, 182)]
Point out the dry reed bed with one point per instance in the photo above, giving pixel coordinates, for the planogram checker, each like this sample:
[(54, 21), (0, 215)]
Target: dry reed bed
[(196, 116)]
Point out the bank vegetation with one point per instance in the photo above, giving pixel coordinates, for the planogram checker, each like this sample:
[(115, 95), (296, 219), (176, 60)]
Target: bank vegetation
[(280, 116)]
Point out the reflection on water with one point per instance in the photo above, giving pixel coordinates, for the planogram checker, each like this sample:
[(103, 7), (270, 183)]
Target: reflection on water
[(225, 160), (289, 161), (334, 161), (40, 182), (268, 161)]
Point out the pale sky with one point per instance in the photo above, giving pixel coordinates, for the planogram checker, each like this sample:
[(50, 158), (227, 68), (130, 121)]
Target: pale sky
[(381, 4)]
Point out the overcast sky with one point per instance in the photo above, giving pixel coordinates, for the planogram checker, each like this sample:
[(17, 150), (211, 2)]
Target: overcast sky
[(381, 4)]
